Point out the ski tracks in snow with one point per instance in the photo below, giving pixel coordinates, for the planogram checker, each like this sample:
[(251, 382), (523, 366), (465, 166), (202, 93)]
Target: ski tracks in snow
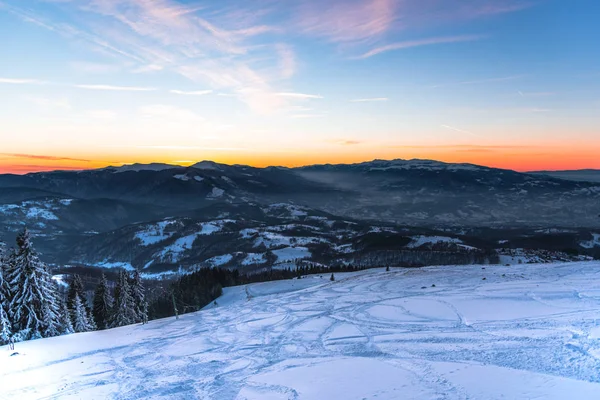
[(371, 334)]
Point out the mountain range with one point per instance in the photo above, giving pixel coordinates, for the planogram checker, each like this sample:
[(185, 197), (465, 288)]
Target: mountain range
[(164, 217)]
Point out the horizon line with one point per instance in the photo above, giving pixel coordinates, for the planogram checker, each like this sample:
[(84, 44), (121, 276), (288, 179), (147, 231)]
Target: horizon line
[(193, 163)]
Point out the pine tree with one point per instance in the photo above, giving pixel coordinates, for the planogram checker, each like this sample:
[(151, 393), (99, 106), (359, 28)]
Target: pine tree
[(90, 318), (123, 309), (51, 315), (139, 299), (75, 289), (79, 316), (103, 303), (51, 310), (65, 319), (5, 325), (33, 307)]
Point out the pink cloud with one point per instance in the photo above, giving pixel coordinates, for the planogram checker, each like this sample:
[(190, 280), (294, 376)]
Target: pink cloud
[(416, 14), (346, 20), (418, 43), (357, 21)]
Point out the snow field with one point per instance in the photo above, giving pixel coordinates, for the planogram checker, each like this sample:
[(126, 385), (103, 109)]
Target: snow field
[(525, 332)]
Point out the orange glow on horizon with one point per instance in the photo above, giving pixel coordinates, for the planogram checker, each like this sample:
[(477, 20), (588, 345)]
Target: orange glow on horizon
[(519, 159)]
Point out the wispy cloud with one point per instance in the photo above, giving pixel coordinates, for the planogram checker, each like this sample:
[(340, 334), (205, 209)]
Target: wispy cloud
[(148, 68), (234, 48), (531, 110), (535, 94), (13, 81), (468, 146), (374, 99), (287, 63), (479, 81), (500, 7), (299, 95), (203, 43), (41, 157), (359, 22), (346, 21), (421, 42), (473, 148), (182, 147), (458, 130), (30, 168), (346, 142), (424, 14), (116, 88), (191, 93)]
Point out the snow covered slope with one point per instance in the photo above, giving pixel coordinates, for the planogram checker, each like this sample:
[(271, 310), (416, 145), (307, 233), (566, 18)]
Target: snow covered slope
[(522, 333)]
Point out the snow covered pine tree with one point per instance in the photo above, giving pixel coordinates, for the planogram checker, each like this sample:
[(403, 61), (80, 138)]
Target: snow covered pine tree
[(139, 300), (76, 289), (123, 309), (79, 315), (65, 319), (33, 308), (5, 325)]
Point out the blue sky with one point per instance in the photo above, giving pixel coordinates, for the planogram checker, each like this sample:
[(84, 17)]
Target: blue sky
[(510, 83)]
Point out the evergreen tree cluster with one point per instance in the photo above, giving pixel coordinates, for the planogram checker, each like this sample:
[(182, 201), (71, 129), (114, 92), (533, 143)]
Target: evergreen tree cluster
[(32, 305)]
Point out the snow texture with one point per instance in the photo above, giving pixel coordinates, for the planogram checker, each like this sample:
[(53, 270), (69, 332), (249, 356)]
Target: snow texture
[(61, 280), (590, 244), (215, 193), (155, 233), (182, 177), (526, 332), (114, 264), (36, 209), (220, 260), (418, 241), (174, 251), (292, 253), (254, 258)]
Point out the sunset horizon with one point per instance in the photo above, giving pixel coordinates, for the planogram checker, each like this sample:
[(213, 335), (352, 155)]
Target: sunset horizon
[(55, 163), (28, 168), (95, 83)]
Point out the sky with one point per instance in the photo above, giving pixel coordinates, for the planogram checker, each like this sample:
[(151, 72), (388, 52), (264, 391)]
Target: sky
[(504, 83)]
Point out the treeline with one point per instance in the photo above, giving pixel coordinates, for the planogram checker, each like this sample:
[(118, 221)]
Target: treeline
[(193, 292), (438, 255), (33, 306)]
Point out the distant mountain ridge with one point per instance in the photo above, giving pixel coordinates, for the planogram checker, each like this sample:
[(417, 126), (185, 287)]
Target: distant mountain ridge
[(161, 217), (581, 175), (416, 192)]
